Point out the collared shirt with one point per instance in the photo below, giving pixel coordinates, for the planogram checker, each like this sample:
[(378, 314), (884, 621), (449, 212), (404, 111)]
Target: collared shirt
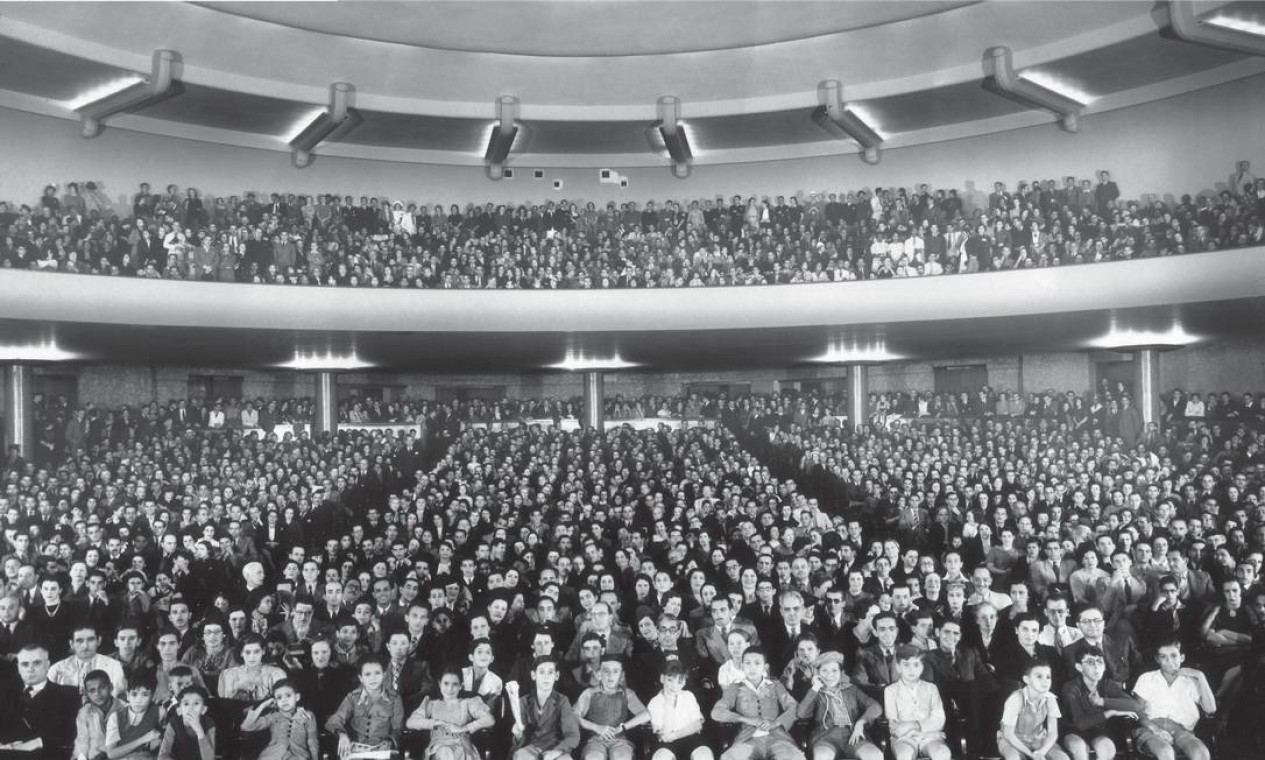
[(1178, 701), (368, 718), (1059, 638), (72, 671)]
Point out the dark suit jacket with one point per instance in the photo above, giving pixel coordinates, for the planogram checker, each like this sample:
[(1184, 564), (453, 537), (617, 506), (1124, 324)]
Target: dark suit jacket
[(1123, 661), (415, 683), (871, 673), (10, 643), (50, 715)]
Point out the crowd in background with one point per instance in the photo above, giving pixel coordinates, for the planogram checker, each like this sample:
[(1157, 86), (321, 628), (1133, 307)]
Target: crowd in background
[(286, 238), (539, 590)]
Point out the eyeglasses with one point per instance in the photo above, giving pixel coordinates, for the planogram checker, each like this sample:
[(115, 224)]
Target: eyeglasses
[(1091, 621)]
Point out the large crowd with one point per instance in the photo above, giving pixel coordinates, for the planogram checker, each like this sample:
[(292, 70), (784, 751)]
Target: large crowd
[(285, 238), (994, 575)]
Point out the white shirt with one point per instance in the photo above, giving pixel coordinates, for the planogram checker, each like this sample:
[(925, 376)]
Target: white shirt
[(1178, 701), (671, 714), (72, 670)]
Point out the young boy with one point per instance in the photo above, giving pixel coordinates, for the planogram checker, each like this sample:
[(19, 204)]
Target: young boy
[(1030, 718), (477, 677), (371, 716), (676, 719), (1101, 711), (1172, 697), (545, 726), (293, 729), (840, 713), (609, 710), (179, 678), (134, 731), (914, 710), (98, 704), (191, 736), (765, 709)]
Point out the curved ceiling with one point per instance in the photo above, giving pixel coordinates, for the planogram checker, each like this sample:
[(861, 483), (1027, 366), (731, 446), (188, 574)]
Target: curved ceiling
[(607, 28), (427, 75)]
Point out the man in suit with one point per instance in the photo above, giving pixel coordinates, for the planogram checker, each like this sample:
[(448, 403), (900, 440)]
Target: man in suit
[(964, 683), (782, 639), (712, 642), (1122, 657), (834, 626), (601, 622), (14, 633), (332, 608), (37, 717), (763, 612), (875, 666), (301, 629), (385, 607)]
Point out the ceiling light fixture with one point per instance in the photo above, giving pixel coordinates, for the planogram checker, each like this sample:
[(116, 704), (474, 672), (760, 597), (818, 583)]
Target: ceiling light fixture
[(576, 361), (1058, 85), (1118, 338), (1001, 78), (1245, 25), (844, 352), (135, 95), (501, 136), (328, 125), (676, 140), (846, 122), (44, 351), (327, 361)]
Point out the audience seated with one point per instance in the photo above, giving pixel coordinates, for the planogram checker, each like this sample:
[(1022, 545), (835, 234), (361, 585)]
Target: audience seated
[(838, 236), (507, 584)]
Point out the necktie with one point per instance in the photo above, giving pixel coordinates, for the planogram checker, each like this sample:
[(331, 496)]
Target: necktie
[(888, 659), (1128, 592), (28, 694)]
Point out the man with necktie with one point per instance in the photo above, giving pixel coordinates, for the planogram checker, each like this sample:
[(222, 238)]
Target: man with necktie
[(37, 716)]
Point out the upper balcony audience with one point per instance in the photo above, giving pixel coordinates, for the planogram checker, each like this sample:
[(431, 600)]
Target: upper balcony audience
[(284, 238)]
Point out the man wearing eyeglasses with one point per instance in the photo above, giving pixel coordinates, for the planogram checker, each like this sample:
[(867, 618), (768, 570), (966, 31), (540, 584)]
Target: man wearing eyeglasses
[(1119, 653)]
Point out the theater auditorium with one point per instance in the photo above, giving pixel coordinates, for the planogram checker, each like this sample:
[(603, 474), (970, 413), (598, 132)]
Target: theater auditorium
[(632, 380)]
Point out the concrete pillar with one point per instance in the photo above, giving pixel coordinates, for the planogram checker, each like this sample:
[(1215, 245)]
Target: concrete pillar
[(19, 409), (858, 396), (1146, 383), (326, 420), (594, 415)]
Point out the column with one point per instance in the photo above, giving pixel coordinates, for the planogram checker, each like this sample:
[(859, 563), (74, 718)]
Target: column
[(326, 420), (19, 409), (1146, 383), (858, 396), (594, 403)]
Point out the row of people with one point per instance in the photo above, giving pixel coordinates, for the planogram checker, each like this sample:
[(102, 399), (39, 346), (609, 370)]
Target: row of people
[(831, 237)]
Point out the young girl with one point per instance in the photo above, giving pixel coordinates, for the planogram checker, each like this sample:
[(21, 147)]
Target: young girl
[(731, 671), (450, 720), (293, 728), (677, 719), (192, 735), (134, 730)]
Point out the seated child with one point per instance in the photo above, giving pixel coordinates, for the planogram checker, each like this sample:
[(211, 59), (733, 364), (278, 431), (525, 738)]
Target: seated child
[(765, 709), (677, 719), (1101, 711), (293, 731), (370, 717), (914, 710), (840, 713), (609, 710), (191, 734), (545, 726), (451, 720), (134, 730), (98, 694), (1172, 697), (1030, 717)]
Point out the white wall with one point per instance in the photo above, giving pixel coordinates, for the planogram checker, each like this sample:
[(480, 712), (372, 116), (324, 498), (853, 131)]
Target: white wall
[(1185, 144)]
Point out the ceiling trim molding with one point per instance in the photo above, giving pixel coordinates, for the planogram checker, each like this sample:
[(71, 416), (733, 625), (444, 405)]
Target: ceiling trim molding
[(795, 95), (825, 148)]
